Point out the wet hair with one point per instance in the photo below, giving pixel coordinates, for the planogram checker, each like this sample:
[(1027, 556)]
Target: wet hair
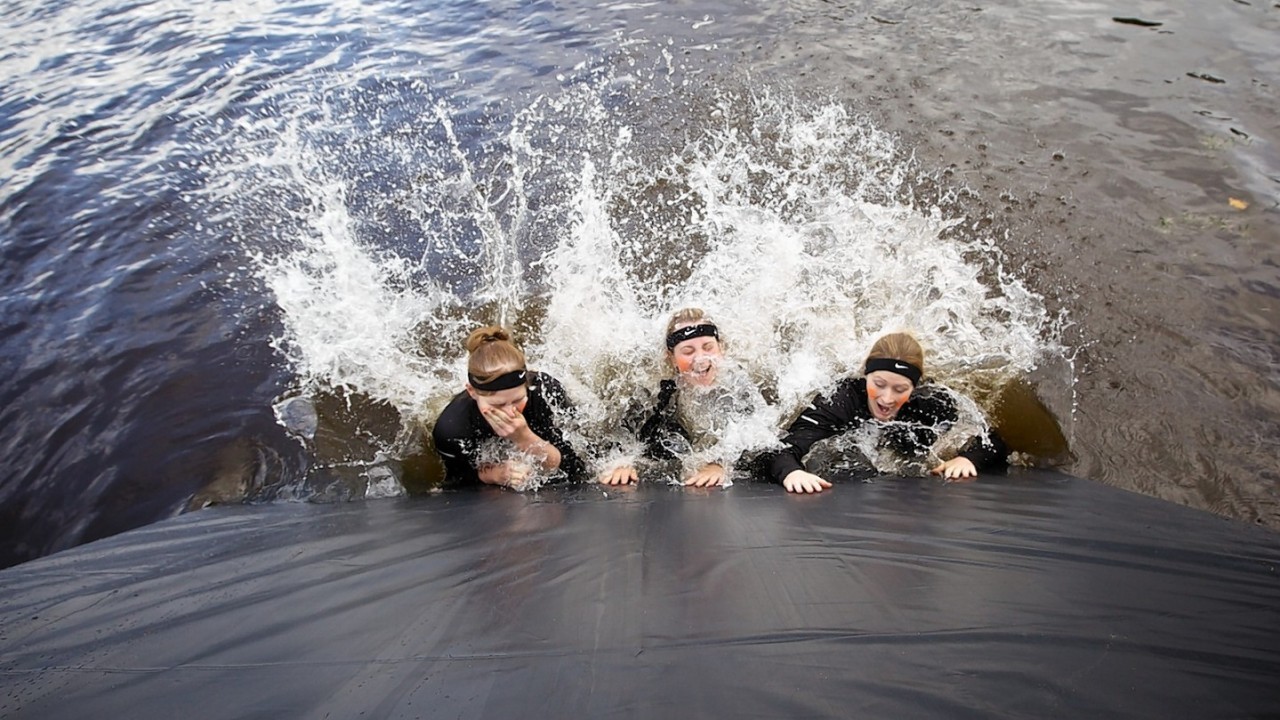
[(492, 354), (687, 316), (898, 346)]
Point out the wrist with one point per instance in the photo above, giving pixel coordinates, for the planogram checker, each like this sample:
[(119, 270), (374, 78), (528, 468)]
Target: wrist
[(527, 440)]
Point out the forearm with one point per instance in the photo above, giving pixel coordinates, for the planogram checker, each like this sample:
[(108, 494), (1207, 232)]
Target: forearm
[(823, 418), (986, 451), (783, 463), (547, 454)]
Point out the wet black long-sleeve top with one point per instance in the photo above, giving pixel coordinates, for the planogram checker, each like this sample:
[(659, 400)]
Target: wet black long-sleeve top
[(461, 429), (912, 432), (659, 429), (662, 430)]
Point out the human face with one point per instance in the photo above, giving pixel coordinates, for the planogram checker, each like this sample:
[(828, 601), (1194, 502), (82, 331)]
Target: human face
[(696, 359), (887, 392), (510, 399)]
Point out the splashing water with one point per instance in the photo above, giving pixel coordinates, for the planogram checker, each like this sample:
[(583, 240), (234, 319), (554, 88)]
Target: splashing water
[(796, 225), (728, 421)]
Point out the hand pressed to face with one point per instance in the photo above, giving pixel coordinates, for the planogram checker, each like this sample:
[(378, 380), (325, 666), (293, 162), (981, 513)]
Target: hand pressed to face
[(503, 410)]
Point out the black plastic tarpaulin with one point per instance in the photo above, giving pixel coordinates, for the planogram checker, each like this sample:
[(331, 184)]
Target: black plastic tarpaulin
[(1028, 595)]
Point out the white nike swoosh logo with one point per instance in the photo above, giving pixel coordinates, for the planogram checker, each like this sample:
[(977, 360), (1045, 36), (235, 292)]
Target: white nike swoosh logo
[(899, 366)]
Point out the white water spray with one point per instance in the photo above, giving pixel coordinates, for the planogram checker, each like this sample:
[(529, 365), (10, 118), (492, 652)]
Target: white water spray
[(790, 224)]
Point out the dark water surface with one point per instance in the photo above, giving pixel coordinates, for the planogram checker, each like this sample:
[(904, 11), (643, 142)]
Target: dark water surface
[(151, 184)]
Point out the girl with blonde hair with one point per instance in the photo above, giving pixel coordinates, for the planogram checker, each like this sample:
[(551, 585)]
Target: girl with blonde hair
[(504, 428), (892, 393), (693, 408)]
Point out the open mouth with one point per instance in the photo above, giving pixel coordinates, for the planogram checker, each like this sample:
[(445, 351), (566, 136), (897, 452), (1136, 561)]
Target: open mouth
[(701, 370)]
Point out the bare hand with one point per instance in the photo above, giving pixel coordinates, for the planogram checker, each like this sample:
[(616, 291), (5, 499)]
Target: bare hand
[(621, 475), (957, 469), (492, 473), (507, 474), (799, 481), (709, 476), (506, 423), (517, 474)]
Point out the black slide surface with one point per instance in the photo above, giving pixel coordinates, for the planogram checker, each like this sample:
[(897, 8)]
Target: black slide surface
[(1029, 595)]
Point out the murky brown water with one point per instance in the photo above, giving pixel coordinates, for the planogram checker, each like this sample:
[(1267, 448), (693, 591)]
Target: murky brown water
[(1123, 182), (1129, 172)]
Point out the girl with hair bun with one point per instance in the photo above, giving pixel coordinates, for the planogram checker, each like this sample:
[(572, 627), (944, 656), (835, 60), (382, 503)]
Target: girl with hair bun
[(503, 429), (891, 393)]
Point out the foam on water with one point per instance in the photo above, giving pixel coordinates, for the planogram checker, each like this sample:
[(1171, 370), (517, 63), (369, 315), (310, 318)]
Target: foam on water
[(794, 223)]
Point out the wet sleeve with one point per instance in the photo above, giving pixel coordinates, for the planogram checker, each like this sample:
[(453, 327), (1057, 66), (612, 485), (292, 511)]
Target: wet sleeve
[(560, 410), (825, 417), (451, 447), (661, 432), (936, 415), (986, 451)]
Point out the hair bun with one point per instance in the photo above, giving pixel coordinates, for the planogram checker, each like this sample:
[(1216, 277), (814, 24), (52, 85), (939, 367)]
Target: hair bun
[(486, 334)]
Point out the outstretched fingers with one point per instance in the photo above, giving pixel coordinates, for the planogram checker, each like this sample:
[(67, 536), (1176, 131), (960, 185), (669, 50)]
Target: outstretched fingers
[(800, 481), (624, 475), (957, 469)]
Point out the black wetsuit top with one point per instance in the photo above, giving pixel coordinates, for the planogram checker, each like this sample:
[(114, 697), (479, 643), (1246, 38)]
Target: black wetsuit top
[(461, 428), (911, 433), (665, 437), (661, 432)]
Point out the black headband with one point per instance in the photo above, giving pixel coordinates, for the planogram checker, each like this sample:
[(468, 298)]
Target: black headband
[(690, 332), (505, 381), (901, 367)]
